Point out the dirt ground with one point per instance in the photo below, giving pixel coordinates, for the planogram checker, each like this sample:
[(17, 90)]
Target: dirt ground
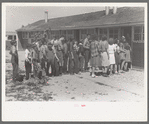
[(126, 87)]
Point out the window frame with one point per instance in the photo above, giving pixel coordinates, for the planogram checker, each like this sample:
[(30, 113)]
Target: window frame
[(141, 33), (114, 33), (25, 35)]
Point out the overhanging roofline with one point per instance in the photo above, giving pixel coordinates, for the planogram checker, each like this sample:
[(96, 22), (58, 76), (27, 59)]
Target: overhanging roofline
[(86, 27)]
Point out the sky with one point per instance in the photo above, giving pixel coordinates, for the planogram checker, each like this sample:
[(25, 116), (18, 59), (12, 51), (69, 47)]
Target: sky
[(16, 16)]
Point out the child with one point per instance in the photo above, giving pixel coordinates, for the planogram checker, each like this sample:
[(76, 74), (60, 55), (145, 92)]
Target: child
[(105, 55), (117, 56), (59, 54), (28, 61), (128, 57), (111, 55), (35, 59), (122, 56), (81, 56), (50, 60), (94, 61), (76, 57)]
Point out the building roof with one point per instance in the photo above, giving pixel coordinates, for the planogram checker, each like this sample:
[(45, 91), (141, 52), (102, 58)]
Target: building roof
[(124, 16), (10, 33)]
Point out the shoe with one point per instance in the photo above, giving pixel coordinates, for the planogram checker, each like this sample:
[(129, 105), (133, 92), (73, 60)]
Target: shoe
[(93, 76), (105, 75)]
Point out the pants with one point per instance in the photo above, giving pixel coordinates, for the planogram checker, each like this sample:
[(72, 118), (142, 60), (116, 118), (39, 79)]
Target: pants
[(56, 67), (71, 64), (42, 62), (76, 62), (50, 63), (87, 56), (81, 61), (28, 68), (35, 68), (15, 70), (65, 63)]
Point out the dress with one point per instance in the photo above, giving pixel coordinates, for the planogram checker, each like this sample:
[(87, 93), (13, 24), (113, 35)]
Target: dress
[(111, 54), (122, 54), (117, 56), (128, 58), (104, 48), (94, 62)]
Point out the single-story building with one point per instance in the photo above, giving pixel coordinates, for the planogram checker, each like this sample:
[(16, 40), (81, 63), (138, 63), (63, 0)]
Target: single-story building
[(116, 22)]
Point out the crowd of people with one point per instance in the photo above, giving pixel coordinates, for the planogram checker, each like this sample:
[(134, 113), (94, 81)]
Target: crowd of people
[(60, 56)]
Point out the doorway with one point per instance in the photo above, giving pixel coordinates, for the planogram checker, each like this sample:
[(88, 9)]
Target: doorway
[(126, 31)]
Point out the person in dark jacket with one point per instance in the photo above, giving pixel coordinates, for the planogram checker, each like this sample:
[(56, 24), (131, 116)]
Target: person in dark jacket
[(14, 59), (81, 56), (65, 56), (76, 57)]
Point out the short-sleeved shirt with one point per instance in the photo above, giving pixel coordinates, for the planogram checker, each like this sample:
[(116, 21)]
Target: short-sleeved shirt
[(94, 48), (27, 55), (43, 49), (14, 53), (111, 49), (104, 45)]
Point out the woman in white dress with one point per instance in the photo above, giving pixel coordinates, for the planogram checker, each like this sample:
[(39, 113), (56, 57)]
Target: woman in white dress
[(111, 55)]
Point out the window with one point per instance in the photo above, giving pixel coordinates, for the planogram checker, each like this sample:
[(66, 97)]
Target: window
[(113, 33), (14, 37), (9, 37), (24, 35), (102, 32), (31, 35), (83, 33), (69, 34), (137, 33), (143, 34), (55, 33), (91, 31)]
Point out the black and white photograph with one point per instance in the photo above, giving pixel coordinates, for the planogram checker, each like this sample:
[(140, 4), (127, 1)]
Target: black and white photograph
[(94, 53)]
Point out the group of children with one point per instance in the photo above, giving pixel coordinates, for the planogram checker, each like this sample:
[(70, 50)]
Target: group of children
[(54, 57), (60, 56), (108, 56)]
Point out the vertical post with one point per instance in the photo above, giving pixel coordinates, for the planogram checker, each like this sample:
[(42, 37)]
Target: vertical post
[(132, 36), (99, 37), (107, 33), (132, 39), (17, 39), (119, 32)]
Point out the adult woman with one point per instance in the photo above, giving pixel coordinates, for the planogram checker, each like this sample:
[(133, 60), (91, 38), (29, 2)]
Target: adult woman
[(14, 59), (94, 61), (105, 55)]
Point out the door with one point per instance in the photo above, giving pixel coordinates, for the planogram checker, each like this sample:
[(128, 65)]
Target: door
[(77, 35)]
